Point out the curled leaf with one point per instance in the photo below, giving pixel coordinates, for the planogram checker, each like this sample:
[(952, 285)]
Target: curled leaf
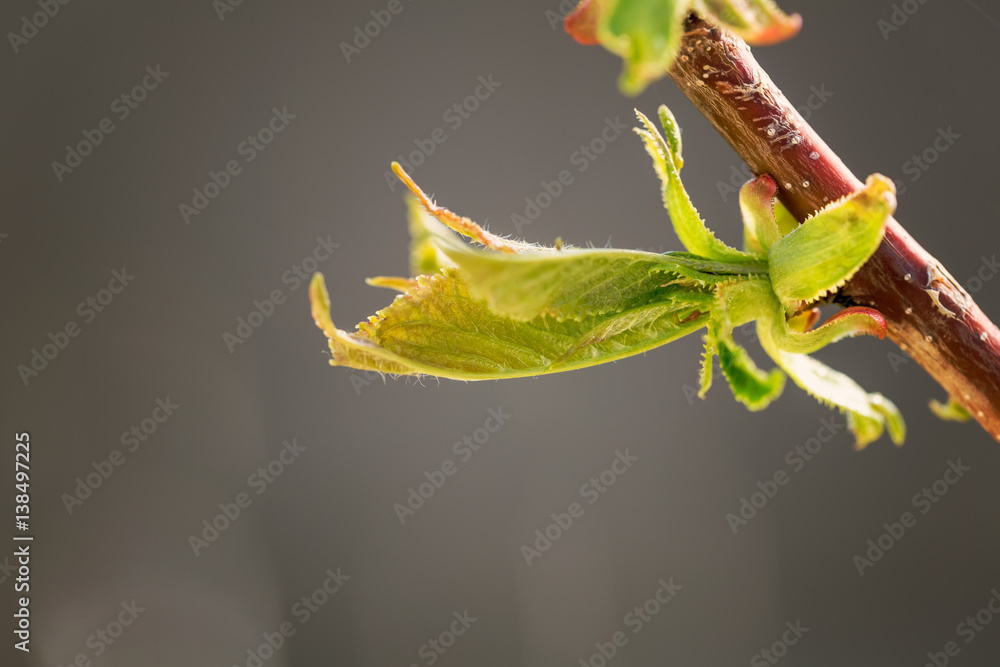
[(856, 321), (824, 252), (688, 225), (482, 306), (950, 411), (867, 413), (750, 385), (439, 328), (760, 229), (736, 303)]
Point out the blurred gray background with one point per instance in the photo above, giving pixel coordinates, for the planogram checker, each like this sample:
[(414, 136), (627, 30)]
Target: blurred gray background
[(363, 444)]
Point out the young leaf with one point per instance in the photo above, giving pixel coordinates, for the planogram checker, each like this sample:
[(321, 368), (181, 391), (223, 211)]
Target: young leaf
[(425, 256), (688, 225), (439, 328), (566, 283), (462, 225), (826, 250), (950, 411), (760, 229), (498, 308), (736, 303), (752, 300), (573, 283), (867, 414), (396, 283), (354, 350), (750, 385), (645, 33), (786, 221), (856, 321)]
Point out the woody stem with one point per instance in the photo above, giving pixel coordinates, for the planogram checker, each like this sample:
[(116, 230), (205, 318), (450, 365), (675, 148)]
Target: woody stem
[(929, 315)]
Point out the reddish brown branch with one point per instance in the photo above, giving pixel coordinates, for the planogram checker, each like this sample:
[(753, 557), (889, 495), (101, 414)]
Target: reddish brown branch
[(930, 316)]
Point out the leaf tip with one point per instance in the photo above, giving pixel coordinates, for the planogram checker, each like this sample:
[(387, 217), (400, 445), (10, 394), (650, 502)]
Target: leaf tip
[(581, 23), (319, 300), (778, 30), (950, 411)]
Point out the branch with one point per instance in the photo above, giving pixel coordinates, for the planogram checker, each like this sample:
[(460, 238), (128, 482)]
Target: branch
[(930, 316)]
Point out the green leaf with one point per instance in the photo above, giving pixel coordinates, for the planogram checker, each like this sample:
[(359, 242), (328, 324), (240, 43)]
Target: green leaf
[(752, 300), (705, 374), (646, 34), (425, 257), (565, 283), (688, 225), (749, 384), (502, 308), (396, 283), (574, 283), (826, 250), (855, 321), (760, 229), (786, 221), (354, 350), (867, 413), (736, 303), (439, 328), (422, 227), (950, 411)]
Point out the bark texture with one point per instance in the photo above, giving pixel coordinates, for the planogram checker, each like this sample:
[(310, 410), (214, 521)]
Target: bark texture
[(930, 316)]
